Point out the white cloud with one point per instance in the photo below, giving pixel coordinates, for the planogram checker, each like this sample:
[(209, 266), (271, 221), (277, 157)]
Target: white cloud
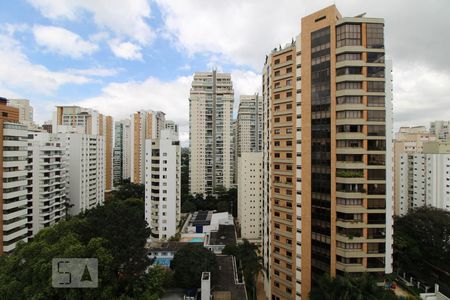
[(17, 72), (62, 41), (421, 95), (125, 50), (124, 18), (122, 99), (94, 72)]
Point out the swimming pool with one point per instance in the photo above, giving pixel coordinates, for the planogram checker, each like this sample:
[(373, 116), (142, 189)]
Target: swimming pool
[(196, 240), (162, 262)]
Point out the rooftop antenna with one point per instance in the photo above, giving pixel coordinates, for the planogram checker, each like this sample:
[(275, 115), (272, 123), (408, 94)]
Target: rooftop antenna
[(361, 15)]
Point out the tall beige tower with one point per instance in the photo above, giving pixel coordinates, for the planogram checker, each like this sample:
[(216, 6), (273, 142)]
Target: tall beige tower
[(145, 124), (210, 112), (327, 141)]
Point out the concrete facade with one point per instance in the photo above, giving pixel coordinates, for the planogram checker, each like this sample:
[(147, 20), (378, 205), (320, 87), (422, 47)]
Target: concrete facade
[(163, 184), (210, 130), (250, 195), (46, 181)]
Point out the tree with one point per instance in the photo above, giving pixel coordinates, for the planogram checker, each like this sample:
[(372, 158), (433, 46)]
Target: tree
[(115, 233), (249, 261), (422, 245), (188, 206), (189, 263), (347, 288), (129, 190)]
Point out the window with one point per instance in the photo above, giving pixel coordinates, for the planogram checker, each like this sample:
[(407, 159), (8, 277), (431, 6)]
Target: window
[(375, 101), (375, 86), (349, 114), (277, 61), (289, 57), (348, 35), (349, 100), (375, 36), (375, 57), (349, 143), (376, 115), (288, 70), (375, 72), (376, 130), (348, 56), (349, 85), (349, 71)]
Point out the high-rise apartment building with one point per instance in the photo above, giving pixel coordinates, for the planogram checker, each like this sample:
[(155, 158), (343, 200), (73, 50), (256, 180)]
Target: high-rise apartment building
[(210, 115), (441, 129), (13, 178), (90, 122), (122, 150), (408, 142), (249, 124), (422, 178), (327, 141), (248, 131), (144, 125), (46, 181), (84, 155), (163, 184), (250, 185), (25, 111)]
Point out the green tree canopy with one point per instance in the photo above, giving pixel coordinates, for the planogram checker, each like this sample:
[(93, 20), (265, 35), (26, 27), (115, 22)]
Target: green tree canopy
[(422, 245), (189, 263), (115, 233), (347, 288)]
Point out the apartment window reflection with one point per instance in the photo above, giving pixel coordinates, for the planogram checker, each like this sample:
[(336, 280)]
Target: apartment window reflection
[(348, 35), (375, 36)]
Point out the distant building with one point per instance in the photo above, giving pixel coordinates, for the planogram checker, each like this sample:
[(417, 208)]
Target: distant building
[(25, 111), (144, 125), (163, 184), (424, 177), (122, 150), (47, 174), (84, 156), (408, 142), (441, 129), (250, 195), (211, 112), (47, 126), (76, 119)]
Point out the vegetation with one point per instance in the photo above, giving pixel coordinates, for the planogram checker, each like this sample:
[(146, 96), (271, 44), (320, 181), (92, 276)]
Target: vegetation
[(349, 173), (184, 173), (226, 201), (115, 233), (249, 262), (189, 263), (347, 288), (422, 246)]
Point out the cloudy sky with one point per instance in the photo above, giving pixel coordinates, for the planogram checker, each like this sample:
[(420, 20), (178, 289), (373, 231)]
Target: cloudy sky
[(120, 56)]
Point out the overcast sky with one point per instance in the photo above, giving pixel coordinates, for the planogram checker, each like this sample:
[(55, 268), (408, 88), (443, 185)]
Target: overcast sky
[(120, 56)]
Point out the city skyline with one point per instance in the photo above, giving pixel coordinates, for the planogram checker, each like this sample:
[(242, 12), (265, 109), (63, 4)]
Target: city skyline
[(102, 63)]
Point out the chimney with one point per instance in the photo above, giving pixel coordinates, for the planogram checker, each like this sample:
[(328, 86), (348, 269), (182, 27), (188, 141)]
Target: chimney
[(206, 286)]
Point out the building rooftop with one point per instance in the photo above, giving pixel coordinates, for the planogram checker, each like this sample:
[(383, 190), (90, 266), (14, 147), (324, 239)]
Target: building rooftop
[(226, 235), (167, 246), (201, 218), (226, 284)]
